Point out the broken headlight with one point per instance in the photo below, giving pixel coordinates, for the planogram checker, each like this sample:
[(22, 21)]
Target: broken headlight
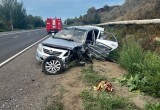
[(40, 47)]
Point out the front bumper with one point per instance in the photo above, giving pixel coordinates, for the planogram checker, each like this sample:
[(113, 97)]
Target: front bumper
[(41, 55)]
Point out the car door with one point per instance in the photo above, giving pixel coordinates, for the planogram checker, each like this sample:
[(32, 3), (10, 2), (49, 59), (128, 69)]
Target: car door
[(107, 40), (104, 44)]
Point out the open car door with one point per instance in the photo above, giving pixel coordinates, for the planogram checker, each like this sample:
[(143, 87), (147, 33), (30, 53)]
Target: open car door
[(104, 44)]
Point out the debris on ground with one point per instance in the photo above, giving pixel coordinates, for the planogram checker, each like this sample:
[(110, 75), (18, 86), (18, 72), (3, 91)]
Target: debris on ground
[(104, 86)]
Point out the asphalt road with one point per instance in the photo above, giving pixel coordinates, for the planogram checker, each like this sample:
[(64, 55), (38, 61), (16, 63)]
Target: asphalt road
[(23, 86), (13, 42)]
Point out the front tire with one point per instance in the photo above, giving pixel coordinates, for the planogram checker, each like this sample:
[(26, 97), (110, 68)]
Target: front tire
[(52, 65)]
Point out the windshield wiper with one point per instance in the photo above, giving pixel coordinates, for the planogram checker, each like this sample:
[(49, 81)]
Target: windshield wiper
[(63, 38)]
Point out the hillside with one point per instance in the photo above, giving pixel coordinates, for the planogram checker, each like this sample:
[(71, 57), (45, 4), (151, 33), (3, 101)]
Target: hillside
[(131, 9)]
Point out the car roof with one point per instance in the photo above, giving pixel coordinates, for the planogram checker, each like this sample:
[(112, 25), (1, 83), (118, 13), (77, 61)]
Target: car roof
[(87, 28)]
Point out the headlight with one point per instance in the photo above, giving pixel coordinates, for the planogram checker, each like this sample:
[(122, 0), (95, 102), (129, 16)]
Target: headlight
[(40, 47)]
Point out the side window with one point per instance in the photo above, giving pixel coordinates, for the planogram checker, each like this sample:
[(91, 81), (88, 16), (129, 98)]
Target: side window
[(107, 36), (90, 37), (96, 33)]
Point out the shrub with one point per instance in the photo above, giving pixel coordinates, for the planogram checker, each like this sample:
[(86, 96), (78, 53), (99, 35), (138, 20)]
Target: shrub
[(130, 55), (152, 85), (114, 55), (143, 68)]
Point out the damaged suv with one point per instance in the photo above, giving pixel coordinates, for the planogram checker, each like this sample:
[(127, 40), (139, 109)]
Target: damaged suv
[(76, 43)]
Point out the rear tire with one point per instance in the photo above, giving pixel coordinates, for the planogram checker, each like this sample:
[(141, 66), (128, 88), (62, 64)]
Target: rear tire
[(49, 33), (52, 65)]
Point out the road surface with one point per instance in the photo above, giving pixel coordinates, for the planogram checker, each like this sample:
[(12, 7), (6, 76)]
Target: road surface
[(13, 42), (22, 84)]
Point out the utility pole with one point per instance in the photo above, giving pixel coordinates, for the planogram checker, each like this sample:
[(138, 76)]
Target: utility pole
[(11, 19)]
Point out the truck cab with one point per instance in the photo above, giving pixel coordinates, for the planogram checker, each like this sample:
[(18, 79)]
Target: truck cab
[(53, 25)]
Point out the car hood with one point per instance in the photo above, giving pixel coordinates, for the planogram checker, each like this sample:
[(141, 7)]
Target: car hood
[(60, 43)]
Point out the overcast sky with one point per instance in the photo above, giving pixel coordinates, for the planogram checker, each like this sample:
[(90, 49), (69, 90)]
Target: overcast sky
[(64, 8)]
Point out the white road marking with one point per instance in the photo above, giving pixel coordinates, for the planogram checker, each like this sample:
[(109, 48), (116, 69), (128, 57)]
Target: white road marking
[(17, 32), (16, 37), (14, 56)]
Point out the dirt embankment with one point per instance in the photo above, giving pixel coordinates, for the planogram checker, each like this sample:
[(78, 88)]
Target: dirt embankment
[(71, 86)]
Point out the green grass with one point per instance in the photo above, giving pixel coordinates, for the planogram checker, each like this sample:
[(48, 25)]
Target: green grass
[(130, 55), (92, 77), (101, 100), (155, 106), (143, 68), (105, 101)]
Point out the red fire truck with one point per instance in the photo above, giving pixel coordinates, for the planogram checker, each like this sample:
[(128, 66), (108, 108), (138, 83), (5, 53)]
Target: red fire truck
[(53, 25)]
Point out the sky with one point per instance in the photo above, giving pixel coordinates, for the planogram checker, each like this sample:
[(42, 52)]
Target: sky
[(64, 8)]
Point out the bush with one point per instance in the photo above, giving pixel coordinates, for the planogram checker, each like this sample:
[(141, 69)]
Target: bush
[(130, 55), (143, 68), (114, 55), (152, 85)]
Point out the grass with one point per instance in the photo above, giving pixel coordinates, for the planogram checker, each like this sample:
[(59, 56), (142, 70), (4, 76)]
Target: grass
[(155, 106), (130, 55), (92, 77), (105, 101), (57, 106), (101, 100), (143, 68)]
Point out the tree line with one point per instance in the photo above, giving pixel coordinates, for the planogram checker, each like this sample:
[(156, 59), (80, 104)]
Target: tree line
[(92, 17), (13, 16)]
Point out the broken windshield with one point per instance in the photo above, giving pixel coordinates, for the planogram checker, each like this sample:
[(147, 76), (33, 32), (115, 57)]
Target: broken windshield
[(76, 35)]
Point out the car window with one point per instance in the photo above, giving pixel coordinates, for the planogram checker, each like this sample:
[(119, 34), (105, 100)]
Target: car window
[(107, 36), (76, 35)]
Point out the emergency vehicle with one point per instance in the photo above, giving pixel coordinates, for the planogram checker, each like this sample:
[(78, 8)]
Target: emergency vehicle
[(53, 25)]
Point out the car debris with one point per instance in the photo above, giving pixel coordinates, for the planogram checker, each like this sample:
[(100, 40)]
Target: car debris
[(76, 43)]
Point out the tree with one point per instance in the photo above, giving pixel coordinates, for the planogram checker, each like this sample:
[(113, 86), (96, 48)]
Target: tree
[(97, 19), (38, 21), (19, 16), (7, 12), (13, 15), (91, 17), (106, 7)]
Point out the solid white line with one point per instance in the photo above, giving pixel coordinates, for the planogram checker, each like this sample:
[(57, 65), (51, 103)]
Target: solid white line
[(14, 56), (18, 32), (16, 37)]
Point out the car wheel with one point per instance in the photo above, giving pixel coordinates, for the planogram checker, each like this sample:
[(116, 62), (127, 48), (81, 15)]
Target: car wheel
[(52, 65)]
